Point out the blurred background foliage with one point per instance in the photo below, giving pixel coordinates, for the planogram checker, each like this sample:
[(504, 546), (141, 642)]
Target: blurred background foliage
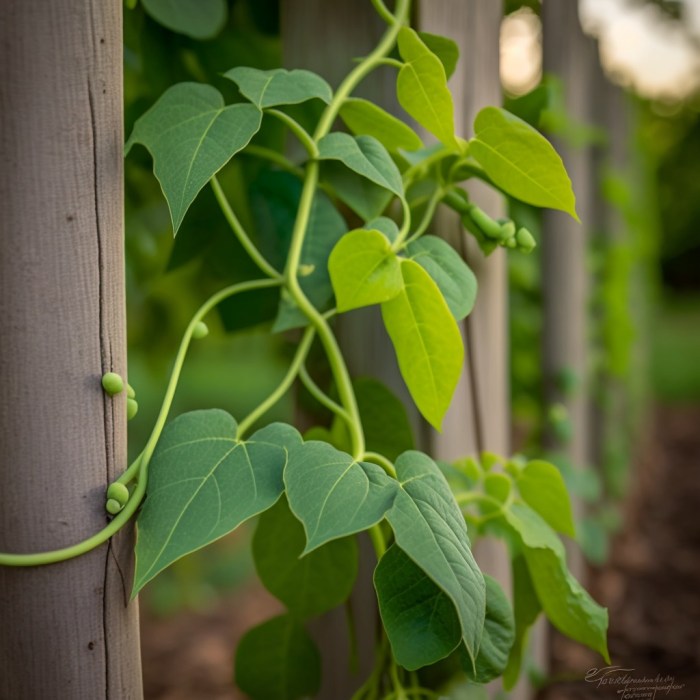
[(644, 311)]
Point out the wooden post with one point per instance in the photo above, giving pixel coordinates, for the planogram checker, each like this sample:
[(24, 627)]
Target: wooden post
[(68, 630)]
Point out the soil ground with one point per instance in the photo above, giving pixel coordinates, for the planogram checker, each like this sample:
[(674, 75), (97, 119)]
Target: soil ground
[(651, 587)]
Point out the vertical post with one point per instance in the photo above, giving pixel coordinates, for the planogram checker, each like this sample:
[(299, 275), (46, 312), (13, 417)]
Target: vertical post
[(569, 55), (68, 630)]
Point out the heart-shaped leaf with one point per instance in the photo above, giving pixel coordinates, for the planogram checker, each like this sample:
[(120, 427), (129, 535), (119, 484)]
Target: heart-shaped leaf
[(429, 527), (203, 483), (444, 48), (521, 161), (334, 495), (191, 135), (269, 88), (427, 341), (364, 270)]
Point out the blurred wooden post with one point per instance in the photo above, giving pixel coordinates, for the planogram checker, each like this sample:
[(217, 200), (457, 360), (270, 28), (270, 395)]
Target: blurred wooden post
[(68, 630), (569, 56)]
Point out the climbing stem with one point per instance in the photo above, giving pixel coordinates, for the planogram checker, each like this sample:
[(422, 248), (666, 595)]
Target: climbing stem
[(382, 461), (321, 395), (278, 393), (297, 129), (242, 236)]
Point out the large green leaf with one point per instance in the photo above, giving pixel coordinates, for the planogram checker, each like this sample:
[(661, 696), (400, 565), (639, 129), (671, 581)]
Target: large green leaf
[(199, 19), (332, 494), (308, 585), (422, 89), (269, 88), (444, 48), (566, 603), (526, 609), (451, 274), (542, 487), (498, 636), (419, 618), (324, 229), (521, 161), (365, 156), (278, 661), (364, 270), (427, 341), (429, 527), (365, 118), (387, 428), (191, 135), (365, 198), (203, 483)]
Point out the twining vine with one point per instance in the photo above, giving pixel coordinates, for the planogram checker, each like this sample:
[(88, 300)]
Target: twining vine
[(201, 475)]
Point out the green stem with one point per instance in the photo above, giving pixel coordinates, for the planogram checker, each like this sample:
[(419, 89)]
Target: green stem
[(274, 157), (281, 390), (410, 174), (428, 216), (383, 11), (405, 226), (382, 461), (378, 541), (242, 236), (321, 395), (297, 129)]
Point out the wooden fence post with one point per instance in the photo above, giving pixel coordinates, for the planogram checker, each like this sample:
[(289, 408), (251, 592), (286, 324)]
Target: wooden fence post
[(68, 630)]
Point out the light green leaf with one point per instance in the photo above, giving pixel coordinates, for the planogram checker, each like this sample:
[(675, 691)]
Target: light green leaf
[(387, 428), (332, 494), (498, 636), (566, 603), (363, 155), (308, 585), (203, 483), (191, 135), (325, 228), (365, 198), (521, 161), (542, 487), (278, 661), (427, 341), (364, 270), (422, 89), (429, 527), (419, 618), (365, 118), (452, 275), (526, 609), (444, 48), (269, 88), (199, 19)]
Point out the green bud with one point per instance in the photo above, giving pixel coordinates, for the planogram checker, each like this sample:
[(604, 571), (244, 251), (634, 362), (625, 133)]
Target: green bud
[(113, 507), (510, 243), (132, 408), (112, 383), (201, 330), (130, 391), (118, 492), (489, 227), (306, 270), (525, 240), (507, 229), (490, 459)]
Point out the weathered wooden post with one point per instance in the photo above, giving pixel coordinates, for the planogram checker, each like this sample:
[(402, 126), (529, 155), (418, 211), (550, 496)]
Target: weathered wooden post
[(68, 630)]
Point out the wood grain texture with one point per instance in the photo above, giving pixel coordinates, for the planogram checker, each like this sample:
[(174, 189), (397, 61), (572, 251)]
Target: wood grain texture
[(68, 630)]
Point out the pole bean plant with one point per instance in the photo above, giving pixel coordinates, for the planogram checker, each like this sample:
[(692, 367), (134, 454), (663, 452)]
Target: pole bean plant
[(203, 474)]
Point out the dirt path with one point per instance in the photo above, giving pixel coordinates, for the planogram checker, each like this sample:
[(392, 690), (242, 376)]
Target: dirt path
[(652, 583)]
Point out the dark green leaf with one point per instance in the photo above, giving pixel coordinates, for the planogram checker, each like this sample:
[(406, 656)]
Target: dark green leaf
[(269, 88), (521, 161), (364, 270), (430, 528), (191, 135), (365, 198), (365, 118), (419, 618), (308, 585), (451, 274), (365, 156), (278, 661), (332, 494), (203, 483), (199, 19), (445, 49), (427, 341)]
